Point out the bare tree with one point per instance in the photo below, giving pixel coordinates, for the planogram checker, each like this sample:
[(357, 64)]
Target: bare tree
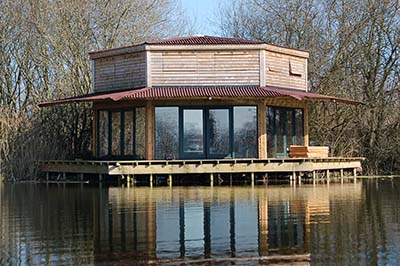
[(354, 52), (44, 49)]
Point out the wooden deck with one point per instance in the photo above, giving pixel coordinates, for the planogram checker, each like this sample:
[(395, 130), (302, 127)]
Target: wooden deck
[(286, 167)]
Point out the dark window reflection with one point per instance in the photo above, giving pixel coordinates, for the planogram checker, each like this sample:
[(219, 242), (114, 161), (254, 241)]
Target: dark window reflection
[(245, 131), (116, 133), (129, 133), (121, 134), (140, 140), (166, 133), (103, 133), (193, 132), (218, 122), (284, 128)]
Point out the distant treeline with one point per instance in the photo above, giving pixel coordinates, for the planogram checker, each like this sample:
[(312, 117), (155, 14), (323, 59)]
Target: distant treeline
[(354, 53)]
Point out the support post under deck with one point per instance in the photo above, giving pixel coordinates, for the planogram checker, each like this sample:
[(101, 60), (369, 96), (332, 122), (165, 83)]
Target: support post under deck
[(170, 180)]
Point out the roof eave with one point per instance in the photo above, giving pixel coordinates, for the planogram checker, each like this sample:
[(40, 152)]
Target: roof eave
[(197, 47)]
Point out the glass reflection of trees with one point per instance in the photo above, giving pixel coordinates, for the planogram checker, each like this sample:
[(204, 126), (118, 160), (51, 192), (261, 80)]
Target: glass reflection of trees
[(121, 133), (230, 132), (219, 137), (245, 132), (166, 133)]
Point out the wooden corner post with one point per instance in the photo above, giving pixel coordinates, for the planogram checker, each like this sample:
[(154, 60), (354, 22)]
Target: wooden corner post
[(149, 130), (262, 130)]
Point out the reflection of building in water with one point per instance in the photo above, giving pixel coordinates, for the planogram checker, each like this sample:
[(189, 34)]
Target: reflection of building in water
[(220, 222)]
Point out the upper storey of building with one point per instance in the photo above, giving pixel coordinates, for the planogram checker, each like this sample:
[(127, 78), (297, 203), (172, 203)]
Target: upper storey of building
[(199, 61)]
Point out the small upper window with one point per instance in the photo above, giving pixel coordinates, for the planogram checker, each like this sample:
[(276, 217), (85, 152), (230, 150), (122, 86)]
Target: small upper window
[(296, 68)]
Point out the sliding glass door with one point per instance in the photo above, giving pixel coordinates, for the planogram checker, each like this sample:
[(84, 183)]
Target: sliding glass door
[(206, 132), (285, 128), (219, 133), (193, 135), (120, 133)]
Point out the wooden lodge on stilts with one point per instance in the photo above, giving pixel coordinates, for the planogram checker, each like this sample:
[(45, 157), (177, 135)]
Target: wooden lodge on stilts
[(207, 108)]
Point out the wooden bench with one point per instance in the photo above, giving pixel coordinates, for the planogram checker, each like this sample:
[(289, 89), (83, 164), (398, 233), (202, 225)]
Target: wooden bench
[(308, 151)]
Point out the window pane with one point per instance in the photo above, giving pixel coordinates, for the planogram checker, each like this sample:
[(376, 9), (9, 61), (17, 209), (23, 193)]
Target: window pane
[(219, 131), (245, 131), (270, 133), (103, 133), (299, 127), (140, 133), (116, 134), (289, 128), (193, 131), (280, 131), (128, 133), (167, 133)]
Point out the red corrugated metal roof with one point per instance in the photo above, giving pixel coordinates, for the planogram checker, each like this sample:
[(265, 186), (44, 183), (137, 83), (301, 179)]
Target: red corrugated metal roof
[(202, 40), (188, 40), (148, 93)]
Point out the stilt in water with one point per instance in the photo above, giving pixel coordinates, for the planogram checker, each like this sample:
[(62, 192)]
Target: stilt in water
[(252, 179), (327, 176), (341, 175), (314, 176), (170, 180), (133, 180), (355, 175), (151, 180), (128, 180), (211, 179)]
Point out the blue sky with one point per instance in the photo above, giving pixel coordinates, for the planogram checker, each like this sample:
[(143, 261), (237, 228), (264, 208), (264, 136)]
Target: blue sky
[(201, 12)]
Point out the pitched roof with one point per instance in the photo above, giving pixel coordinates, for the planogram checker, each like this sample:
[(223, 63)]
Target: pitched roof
[(151, 93), (202, 40)]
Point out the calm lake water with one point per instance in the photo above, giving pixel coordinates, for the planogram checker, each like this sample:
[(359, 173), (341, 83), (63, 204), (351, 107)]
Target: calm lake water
[(349, 224)]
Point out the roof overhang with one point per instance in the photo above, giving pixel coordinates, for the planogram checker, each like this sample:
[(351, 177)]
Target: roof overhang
[(162, 93)]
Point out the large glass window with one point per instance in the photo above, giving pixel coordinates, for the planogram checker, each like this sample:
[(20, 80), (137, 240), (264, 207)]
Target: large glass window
[(193, 132), (245, 131), (270, 132), (285, 128), (116, 133), (299, 127), (140, 133), (219, 137), (102, 137), (129, 144), (206, 132), (121, 133), (166, 133)]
